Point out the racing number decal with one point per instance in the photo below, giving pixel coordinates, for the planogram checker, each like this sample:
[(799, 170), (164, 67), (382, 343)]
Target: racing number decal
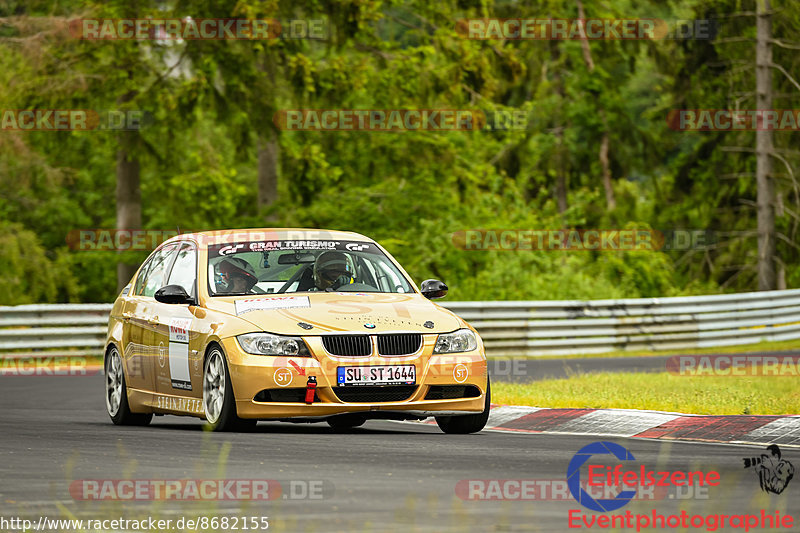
[(179, 353), (401, 310)]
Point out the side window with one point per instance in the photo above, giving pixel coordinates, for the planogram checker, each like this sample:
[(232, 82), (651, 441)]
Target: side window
[(137, 289), (366, 272), (184, 271), (156, 274), (389, 280)]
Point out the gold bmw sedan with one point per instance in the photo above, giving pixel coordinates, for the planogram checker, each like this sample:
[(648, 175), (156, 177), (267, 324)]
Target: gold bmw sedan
[(294, 325)]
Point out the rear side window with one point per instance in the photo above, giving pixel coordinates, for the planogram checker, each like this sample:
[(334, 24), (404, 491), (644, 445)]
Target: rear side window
[(157, 268)]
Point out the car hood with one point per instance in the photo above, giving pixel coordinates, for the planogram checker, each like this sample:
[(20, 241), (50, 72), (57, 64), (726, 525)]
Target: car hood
[(292, 314)]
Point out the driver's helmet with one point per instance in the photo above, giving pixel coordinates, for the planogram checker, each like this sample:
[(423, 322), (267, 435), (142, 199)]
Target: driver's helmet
[(329, 267), (230, 268)]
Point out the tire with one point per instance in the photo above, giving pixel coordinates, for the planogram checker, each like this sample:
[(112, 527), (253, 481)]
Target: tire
[(346, 422), (219, 402), (117, 405), (463, 424)]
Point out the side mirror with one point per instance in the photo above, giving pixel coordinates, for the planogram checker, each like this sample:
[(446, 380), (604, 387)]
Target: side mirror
[(433, 289), (173, 294)]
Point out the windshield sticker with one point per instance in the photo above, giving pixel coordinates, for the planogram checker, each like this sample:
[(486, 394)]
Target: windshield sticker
[(270, 246), (263, 304)]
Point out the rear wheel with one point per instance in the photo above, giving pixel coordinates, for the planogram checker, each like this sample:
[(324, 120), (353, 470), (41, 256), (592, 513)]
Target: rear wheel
[(117, 394), (345, 422), (463, 424), (218, 400)]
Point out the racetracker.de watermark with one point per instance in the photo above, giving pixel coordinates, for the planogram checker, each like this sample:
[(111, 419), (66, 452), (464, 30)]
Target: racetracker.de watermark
[(189, 29), (734, 119), (557, 490), (586, 28), (73, 119), (47, 366), (552, 240), (734, 365), (396, 120), (104, 239), (200, 489), (117, 239)]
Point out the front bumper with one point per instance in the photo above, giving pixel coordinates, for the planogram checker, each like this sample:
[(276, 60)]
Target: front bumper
[(252, 374)]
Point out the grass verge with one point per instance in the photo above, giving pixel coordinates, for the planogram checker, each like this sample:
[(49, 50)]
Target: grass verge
[(707, 395)]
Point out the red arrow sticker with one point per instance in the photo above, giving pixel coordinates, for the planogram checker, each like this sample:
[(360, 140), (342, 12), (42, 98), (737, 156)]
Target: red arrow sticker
[(301, 371)]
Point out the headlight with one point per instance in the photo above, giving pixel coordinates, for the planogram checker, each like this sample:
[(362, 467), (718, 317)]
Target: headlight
[(462, 340), (268, 344)]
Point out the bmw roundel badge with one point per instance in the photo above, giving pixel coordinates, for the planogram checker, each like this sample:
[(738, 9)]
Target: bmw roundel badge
[(369, 325)]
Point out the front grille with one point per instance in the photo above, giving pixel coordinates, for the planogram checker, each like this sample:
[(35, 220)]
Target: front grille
[(358, 345), (283, 396), (399, 343), (450, 392), (375, 394)]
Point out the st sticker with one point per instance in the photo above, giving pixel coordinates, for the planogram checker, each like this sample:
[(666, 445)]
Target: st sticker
[(179, 353), (265, 304), (460, 372)]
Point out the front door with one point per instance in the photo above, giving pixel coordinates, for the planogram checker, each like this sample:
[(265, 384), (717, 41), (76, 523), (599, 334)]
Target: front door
[(180, 366), (139, 351)]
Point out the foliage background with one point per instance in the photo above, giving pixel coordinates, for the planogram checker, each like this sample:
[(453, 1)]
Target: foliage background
[(410, 190)]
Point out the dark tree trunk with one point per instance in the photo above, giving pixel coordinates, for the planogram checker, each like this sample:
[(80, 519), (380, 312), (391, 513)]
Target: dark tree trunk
[(268, 159), (561, 170), (765, 201), (129, 198), (611, 201)]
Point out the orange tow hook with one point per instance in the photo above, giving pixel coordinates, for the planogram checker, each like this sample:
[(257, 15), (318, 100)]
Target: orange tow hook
[(311, 388)]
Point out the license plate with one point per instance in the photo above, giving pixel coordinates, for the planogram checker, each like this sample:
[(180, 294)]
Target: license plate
[(377, 375)]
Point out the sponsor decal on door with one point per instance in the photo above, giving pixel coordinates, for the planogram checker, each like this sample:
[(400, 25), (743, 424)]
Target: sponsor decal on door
[(179, 353)]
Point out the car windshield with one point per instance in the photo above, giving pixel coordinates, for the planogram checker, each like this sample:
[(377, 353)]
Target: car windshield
[(274, 267)]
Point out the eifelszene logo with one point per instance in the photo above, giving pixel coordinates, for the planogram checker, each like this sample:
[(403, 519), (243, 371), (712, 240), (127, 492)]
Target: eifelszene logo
[(574, 476), (774, 473), (617, 476)]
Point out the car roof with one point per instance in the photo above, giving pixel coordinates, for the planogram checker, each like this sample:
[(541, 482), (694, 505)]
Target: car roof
[(277, 234)]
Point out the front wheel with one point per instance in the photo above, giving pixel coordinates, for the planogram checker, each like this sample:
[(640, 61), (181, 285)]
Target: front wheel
[(117, 394), (462, 424), (218, 400)]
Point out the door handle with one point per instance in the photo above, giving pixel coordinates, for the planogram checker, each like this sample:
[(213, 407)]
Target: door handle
[(127, 316), (153, 320)]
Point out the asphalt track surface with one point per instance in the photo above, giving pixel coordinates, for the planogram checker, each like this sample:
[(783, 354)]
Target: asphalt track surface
[(527, 370), (534, 369), (386, 476)]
